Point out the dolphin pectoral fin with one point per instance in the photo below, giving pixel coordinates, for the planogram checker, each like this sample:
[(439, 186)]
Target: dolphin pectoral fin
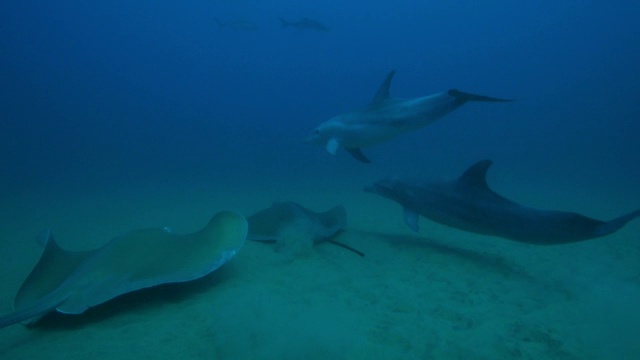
[(332, 146), (411, 219), (358, 154)]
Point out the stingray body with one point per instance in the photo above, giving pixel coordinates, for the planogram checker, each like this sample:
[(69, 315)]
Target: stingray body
[(290, 224), (387, 117), (468, 203), (71, 282)]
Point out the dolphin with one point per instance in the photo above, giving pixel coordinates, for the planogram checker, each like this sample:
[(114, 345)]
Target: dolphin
[(304, 24), (468, 203), (386, 118)]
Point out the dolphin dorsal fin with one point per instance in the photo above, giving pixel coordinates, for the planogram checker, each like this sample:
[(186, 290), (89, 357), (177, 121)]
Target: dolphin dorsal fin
[(475, 177), (383, 91)]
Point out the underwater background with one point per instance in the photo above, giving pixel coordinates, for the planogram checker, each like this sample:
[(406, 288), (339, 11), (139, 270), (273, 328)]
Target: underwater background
[(117, 115)]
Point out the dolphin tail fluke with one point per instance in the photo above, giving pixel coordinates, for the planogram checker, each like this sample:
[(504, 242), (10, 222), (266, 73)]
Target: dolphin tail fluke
[(220, 23), (614, 225), (464, 97), (358, 155), (283, 23)]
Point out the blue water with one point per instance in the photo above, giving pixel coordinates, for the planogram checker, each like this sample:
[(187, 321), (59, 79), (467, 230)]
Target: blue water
[(113, 93), (107, 89)]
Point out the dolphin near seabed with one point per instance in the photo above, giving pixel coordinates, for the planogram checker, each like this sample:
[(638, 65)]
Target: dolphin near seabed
[(468, 203), (386, 118)]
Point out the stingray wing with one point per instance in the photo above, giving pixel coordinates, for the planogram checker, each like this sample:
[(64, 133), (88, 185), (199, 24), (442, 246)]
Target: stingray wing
[(266, 224), (54, 268), (151, 257)]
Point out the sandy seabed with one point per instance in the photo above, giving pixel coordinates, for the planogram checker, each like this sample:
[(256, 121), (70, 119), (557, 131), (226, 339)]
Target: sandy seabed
[(440, 294)]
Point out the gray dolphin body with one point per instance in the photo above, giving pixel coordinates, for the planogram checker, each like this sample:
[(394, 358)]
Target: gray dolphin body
[(386, 118), (468, 203)]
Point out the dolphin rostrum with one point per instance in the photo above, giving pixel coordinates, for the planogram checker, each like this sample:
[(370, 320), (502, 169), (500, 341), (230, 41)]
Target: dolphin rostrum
[(468, 203), (386, 118)]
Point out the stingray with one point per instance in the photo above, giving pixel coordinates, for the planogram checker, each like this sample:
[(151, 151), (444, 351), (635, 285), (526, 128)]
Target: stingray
[(70, 282), (290, 225)]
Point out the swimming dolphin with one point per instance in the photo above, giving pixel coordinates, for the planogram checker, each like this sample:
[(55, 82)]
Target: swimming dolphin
[(468, 203), (304, 24), (386, 118)]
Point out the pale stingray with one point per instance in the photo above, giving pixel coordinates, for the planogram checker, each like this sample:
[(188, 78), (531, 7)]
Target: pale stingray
[(290, 224), (71, 282)]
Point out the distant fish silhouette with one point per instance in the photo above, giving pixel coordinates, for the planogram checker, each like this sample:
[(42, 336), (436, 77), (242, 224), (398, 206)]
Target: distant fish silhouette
[(304, 24), (238, 25)]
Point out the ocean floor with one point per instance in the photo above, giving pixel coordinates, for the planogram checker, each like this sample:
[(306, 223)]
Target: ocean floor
[(440, 294)]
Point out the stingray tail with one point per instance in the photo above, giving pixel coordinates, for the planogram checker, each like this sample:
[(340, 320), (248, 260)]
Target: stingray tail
[(464, 97), (614, 225), (28, 315), (31, 314), (345, 246), (21, 315)]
